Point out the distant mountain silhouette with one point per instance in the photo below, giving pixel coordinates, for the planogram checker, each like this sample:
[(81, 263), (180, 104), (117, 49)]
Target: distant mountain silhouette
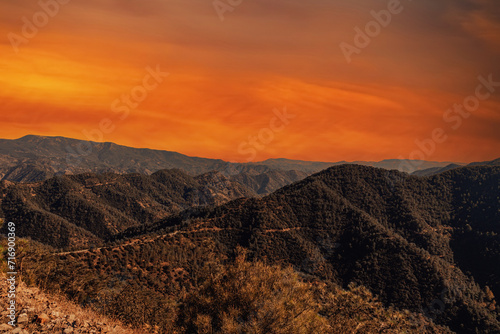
[(37, 158), (495, 162), (59, 155), (437, 170)]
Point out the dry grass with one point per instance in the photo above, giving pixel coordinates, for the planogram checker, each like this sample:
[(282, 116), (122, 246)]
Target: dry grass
[(57, 306)]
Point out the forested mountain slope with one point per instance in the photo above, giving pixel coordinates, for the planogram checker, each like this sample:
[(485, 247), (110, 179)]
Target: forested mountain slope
[(409, 239), (425, 244), (85, 209)]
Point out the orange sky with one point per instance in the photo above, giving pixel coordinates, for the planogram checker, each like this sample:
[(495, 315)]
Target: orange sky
[(226, 77)]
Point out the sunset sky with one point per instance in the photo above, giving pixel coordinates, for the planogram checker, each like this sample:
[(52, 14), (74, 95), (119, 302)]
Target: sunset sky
[(230, 66)]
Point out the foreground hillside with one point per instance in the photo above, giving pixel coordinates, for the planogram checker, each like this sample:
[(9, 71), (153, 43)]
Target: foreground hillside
[(39, 312), (429, 245), (237, 296)]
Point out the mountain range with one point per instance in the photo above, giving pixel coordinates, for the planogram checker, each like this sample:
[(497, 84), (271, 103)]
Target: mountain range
[(36, 158), (428, 245), (129, 231)]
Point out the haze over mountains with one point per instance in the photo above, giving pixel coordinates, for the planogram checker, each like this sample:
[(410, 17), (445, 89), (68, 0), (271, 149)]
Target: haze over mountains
[(36, 158)]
